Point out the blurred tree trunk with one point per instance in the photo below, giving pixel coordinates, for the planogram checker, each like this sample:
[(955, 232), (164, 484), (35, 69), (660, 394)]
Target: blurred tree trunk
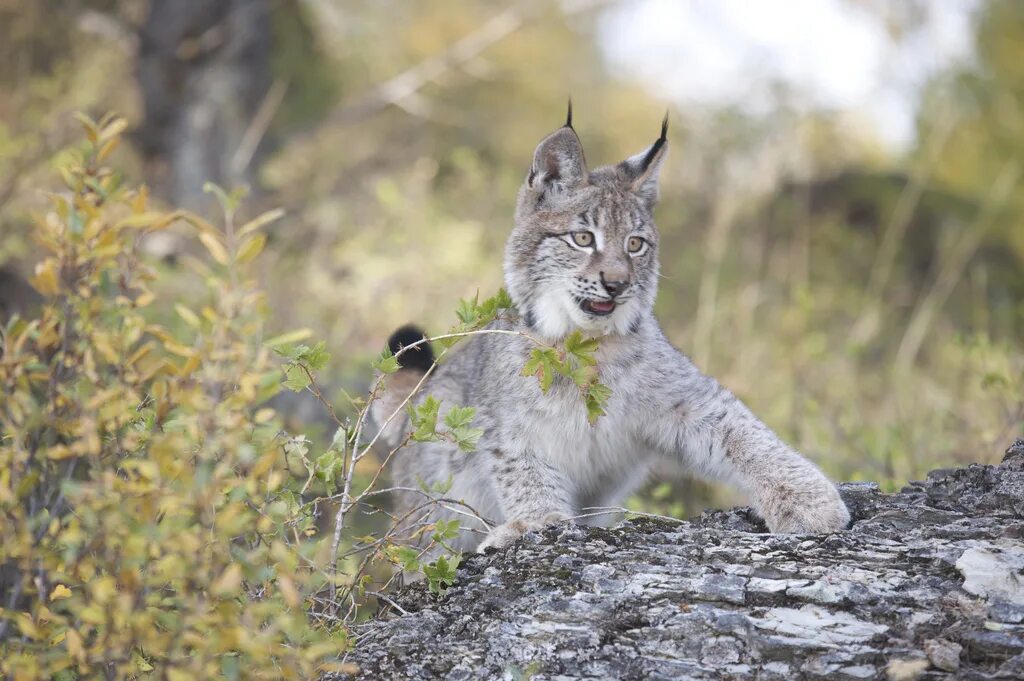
[(203, 70)]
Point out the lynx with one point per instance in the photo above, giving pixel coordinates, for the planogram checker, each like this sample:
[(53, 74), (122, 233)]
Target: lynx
[(583, 255)]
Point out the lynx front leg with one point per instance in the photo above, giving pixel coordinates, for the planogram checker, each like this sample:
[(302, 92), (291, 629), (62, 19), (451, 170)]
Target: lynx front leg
[(716, 435), (790, 492), (532, 494)]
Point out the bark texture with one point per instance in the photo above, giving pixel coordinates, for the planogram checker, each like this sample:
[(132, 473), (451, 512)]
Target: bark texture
[(203, 69), (926, 584)]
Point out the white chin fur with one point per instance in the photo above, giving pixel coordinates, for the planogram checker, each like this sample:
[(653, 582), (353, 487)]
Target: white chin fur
[(556, 315)]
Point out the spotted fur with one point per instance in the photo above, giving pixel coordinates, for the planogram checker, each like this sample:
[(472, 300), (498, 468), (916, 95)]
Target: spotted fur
[(539, 460)]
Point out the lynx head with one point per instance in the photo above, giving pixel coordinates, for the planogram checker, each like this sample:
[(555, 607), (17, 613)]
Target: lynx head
[(583, 253)]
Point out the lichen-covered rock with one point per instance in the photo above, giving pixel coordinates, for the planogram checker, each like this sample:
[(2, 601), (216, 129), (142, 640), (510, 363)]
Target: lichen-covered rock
[(926, 584)]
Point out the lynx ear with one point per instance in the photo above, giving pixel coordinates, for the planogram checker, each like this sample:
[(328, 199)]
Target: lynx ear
[(558, 161), (642, 170)]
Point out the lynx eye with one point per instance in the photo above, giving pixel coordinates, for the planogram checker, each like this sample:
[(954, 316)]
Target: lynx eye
[(583, 239), (635, 244)]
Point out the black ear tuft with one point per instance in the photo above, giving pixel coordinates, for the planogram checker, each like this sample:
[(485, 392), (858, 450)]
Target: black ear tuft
[(655, 149), (568, 116), (641, 170), (421, 357)]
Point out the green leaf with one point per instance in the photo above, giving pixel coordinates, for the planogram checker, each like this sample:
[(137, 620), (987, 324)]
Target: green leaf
[(406, 557), (468, 310), (315, 358), (327, 466), (467, 438), (595, 399), (576, 345), (582, 376), (296, 378), (441, 573), (543, 363), (424, 420), (445, 530), (457, 417), (387, 363), (458, 420), (288, 350)]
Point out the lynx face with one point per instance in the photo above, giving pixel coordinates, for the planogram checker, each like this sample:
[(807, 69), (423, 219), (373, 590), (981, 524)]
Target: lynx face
[(583, 254)]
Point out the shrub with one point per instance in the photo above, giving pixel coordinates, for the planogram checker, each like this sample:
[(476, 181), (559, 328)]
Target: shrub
[(147, 527)]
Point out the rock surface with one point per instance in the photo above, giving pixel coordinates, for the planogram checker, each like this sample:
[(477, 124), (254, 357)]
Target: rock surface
[(926, 584)]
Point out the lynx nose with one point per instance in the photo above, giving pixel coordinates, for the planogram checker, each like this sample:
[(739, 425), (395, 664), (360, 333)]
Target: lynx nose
[(614, 286)]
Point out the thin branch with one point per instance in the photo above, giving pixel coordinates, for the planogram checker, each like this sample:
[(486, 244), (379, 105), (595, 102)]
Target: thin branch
[(387, 600), (257, 129)]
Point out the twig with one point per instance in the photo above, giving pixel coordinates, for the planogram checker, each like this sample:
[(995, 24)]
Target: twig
[(387, 600), (258, 127)]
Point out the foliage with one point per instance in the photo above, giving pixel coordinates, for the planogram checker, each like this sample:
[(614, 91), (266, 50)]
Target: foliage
[(147, 524), (575, 362)]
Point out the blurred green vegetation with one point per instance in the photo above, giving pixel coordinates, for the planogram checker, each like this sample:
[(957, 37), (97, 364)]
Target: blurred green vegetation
[(867, 304)]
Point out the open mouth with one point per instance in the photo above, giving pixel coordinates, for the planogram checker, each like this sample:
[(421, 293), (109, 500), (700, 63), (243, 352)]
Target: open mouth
[(600, 308)]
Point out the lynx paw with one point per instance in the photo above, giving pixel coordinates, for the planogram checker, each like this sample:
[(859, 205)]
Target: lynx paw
[(503, 535), (811, 509)]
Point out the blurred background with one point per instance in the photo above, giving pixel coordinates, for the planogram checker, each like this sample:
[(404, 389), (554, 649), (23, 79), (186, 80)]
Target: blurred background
[(842, 217)]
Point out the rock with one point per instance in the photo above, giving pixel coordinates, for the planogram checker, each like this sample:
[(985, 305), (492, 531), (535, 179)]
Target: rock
[(905, 670), (994, 573), (926, 584), (943, 654)]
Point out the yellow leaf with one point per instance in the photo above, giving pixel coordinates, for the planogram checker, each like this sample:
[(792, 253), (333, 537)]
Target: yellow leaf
[(215, 247), (178, 349), (75, 647), (60, 592), (144, 219), (251, 248), (145, 299), (90, 127), (188, 315), (140, 662), (227, 584), (144, 350), (199, 223), (46, 280), (101, 342), (260, 221), (141, 199), (263, 415), (113, 129), (190, 365), (28, 628), (107, 148), (288, 590), (179, 675), (289, 337), (59, 452)]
